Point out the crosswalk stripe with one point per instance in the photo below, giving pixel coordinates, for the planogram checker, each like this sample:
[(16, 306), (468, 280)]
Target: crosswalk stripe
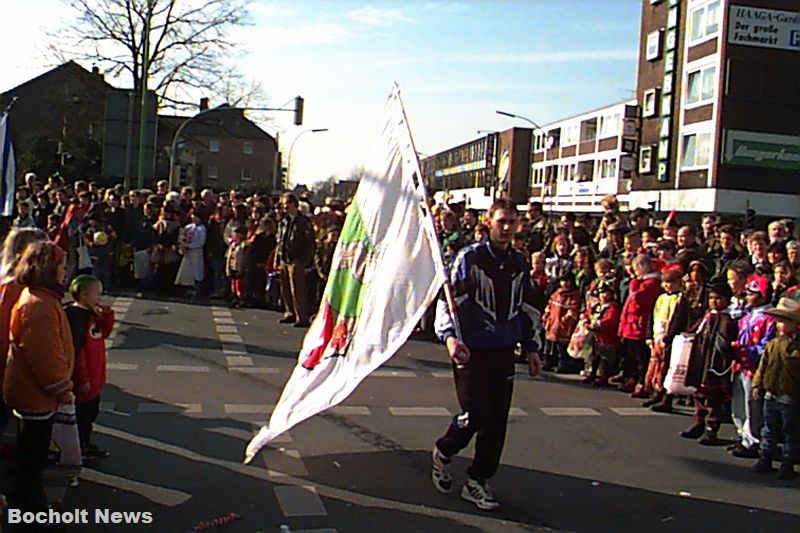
[(350, 410), (253, 370), (420, 411), (299, 501), (634, 411), (154, 493), (227, 329), (234, 349), (224, 320), (239, 360), (122, 366), (569, 411), (166, 408), (517, 411), (393, 374), (284, 462), (442, 374), (231, 338), (182, 368), (248, 408)]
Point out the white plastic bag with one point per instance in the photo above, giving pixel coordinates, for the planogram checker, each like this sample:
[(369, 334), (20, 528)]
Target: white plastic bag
[(65, 436), (679, 358)]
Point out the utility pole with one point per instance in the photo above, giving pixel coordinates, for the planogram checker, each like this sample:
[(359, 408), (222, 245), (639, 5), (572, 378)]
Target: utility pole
[(143, 89)]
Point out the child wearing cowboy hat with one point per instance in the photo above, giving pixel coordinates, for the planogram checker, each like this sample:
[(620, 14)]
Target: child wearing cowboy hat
[(777, 381)]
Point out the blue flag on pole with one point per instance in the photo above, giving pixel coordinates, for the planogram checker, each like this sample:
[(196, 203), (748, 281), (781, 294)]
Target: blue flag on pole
[(8, 169)]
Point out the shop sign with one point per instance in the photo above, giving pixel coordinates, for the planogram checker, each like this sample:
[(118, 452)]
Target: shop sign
[(766, 150), (764, 28)]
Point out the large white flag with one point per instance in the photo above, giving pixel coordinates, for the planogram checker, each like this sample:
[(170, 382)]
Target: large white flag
[(387, 269), (8, 169)]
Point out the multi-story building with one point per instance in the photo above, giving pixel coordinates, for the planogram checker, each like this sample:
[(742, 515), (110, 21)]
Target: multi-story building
[(577, 161), (719, 86), (482, 169), (221, 149)]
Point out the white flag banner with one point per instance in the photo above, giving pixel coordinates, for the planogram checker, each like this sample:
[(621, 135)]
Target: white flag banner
[(387, 270), (8, 169)]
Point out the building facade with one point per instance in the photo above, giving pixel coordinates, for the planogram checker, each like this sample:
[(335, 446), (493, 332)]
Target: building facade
[(482, 169), (220, 150), (577, 161), (719, 86)]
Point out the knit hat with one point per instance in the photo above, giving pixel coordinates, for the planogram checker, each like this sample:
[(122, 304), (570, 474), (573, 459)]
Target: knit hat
[(720, 288)]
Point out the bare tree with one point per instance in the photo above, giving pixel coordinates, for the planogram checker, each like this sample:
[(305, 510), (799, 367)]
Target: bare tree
[(189, 43)]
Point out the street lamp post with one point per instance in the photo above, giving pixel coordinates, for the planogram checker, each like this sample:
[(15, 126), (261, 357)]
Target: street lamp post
[(535, 125), (177, 135), (291, 149)]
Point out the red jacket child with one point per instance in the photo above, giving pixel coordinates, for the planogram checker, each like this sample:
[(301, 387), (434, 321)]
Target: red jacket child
[(561, 315), (638, 309), (606, 332), (89, 375)]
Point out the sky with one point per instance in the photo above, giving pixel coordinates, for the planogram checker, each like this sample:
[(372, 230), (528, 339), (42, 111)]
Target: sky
[(456, 63)]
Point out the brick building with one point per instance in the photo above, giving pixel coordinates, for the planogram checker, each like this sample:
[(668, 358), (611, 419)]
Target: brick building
[(57, 121), (719, 89), (220, 150)]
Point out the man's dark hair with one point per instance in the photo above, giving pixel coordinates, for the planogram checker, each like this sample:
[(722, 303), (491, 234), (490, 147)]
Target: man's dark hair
[(639, 212), (569, 217), (472, 211), (291, 198), (501, 203), (535, 205)]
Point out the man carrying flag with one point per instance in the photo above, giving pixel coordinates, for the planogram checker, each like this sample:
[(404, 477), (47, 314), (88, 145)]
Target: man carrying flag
[(497, 308)]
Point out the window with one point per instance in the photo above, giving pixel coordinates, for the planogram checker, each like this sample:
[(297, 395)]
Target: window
[(213, 145), (570, 134), (247, 148), (646, 160), (247, 174), (213, 172), (607, 168), (649, 107), (588, 130), (704, 21), (653, 46), (696, 150), (609, 126), (701, 85), (585, 171)]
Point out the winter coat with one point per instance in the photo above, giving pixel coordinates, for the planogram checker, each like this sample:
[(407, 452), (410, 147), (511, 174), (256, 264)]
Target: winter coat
[(89, 331), (606, 332), (713, 351), (41, 357), (779, 369), (561, 315), (638, 309), (9, 295), (755, 331)]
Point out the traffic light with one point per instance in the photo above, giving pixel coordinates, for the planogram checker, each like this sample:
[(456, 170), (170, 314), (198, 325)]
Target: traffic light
[(298, 110), (750, 219)]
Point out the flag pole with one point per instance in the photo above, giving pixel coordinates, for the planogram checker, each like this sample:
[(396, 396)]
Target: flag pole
[(425, 207)]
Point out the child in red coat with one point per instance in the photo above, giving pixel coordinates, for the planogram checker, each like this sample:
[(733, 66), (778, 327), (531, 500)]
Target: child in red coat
[(91, 324), (637, 313), (605, 325), (560, 318)]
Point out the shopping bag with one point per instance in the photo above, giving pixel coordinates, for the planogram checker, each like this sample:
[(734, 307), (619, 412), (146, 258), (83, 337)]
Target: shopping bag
[(679, 357), (581, 344), (65, 436), (185, 276)]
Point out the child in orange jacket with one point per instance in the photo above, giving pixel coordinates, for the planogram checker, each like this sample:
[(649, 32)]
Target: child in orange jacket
[(91, 324)]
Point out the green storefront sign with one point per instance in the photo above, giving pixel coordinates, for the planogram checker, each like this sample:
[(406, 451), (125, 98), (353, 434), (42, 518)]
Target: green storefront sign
[(766, 150)]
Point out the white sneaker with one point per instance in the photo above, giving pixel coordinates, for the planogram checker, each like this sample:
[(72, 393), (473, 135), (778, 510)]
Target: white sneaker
[(480, 494), (440, 471)]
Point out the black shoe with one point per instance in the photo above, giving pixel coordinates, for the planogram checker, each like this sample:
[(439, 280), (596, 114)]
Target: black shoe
[(287, 320), (709, 438), (786, 471), (303, 324), (662, 407), (763, 465), (731, 447), (694, 432), (745, 453), (94, 452), (652, 401)]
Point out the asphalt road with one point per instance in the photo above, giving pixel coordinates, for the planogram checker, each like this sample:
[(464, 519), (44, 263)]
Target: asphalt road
[(190, 383)]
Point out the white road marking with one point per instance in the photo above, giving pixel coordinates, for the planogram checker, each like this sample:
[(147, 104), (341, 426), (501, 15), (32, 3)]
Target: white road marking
[(230, 337), (393, 374), (350, 410), (240, 349), (300, 501), (184, 408), (181, 368), (517, 411), (227, 329), (224, 320), (483, 522), (122, 366), (420, 411), (569, 411), (284, 462), (442, 374), (253, 370), (154, 493), (248, 408), (635, 411), (239, 360)]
